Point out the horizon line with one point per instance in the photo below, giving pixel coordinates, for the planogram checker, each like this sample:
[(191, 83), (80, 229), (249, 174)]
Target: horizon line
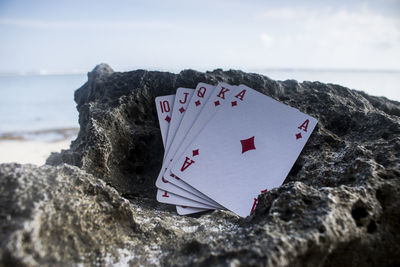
[(258, 69)]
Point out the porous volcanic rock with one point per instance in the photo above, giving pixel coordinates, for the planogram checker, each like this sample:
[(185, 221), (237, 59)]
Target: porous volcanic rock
[(339, 206)]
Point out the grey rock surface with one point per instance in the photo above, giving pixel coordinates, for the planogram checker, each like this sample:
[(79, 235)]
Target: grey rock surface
[(339, 206)]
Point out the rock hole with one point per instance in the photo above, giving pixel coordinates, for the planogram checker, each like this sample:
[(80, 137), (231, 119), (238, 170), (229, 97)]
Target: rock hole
[(358, 213), (286, 215), (307, 201), (340, 124), (371, 228), (192, 247), (26, 238), (385, 135)]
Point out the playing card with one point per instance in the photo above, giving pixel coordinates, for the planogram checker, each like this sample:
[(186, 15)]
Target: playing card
[(215, 103), (198, 101), (186, 194), (183, 96), (184, 210), (164, 106), (248, 147), (164, 111), (164, 198), (170, 198), (182, 99)]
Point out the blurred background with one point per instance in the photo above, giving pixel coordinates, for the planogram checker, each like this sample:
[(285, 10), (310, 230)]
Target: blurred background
[(47, 47)]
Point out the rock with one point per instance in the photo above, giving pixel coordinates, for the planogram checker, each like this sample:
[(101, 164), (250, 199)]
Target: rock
[(96, 205)]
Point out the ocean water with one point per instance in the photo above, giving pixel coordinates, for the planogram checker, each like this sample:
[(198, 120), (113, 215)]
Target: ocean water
[(377, 83), (30, 103), (38, 102)]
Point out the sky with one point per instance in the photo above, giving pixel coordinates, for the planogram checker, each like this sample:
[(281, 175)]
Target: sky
[(73, 36)]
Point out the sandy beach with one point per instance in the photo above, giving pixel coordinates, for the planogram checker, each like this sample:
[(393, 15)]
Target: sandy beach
[(34, 152), (34, 147)]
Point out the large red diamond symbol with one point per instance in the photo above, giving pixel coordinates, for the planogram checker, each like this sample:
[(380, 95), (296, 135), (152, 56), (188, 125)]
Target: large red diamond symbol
[(247, 144), (195, 152), (168, 119), (216, 103), (182, 110), (234, 103), (298, 136), (197, 103)]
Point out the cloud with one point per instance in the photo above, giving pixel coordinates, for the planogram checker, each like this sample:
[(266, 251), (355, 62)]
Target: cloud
[(85, 24), (359, 28), (340, 37), (267, 39), (362, 27)]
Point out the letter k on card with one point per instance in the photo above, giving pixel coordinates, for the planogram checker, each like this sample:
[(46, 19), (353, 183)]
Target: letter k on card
[(248, 147)]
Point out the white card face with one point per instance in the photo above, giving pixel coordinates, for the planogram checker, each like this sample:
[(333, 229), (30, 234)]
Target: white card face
[(196, 104), (198, 101), (164, 198), (248, 147), (183, 96), (186, 188), (181, 119), (170, 198), (184, 210), (215, 103), (182, 99), (164, 110), (218, 98), (164, 105)]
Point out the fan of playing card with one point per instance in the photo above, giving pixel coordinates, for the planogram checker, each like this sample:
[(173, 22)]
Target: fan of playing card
[(224, 145)]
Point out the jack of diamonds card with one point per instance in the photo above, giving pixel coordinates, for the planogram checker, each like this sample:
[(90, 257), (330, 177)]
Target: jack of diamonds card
[(182, 99)]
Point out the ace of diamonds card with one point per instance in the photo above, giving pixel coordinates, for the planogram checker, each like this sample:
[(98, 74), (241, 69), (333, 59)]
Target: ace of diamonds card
[(248, 147)]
